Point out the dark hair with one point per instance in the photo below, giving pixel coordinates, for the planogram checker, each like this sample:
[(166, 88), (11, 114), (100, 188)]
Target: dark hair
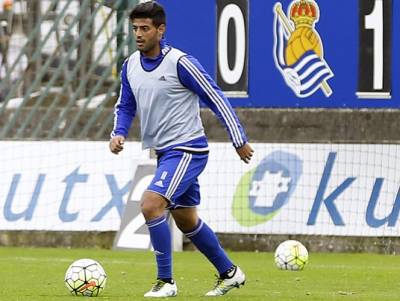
[(151, 10)]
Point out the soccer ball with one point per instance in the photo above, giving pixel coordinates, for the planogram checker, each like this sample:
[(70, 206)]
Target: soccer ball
[(85, 277), (291, 255)]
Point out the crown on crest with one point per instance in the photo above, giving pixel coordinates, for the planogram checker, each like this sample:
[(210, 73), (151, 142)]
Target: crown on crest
[(304, 12)]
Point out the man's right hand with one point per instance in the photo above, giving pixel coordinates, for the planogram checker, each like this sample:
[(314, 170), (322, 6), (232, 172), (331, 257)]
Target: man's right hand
[(117, 144)]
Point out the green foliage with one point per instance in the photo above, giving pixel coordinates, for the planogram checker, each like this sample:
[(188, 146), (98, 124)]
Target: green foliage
[(38, 274)]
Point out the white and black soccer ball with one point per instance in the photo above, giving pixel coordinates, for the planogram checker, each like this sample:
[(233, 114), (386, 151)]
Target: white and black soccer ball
[(291, 255), (85, 277)]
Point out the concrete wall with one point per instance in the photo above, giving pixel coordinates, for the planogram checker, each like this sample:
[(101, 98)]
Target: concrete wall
[(262, 125), (313, 125), (236, 242)]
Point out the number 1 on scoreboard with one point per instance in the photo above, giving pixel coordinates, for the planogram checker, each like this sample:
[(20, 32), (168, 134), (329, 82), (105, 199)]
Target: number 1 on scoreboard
[(375, 49)]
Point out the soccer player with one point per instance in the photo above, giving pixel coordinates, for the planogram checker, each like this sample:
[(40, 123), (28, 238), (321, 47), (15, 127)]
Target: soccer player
[(164, 85)]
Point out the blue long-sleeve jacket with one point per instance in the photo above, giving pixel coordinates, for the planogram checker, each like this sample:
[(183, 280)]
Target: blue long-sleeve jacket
[(165, 91)]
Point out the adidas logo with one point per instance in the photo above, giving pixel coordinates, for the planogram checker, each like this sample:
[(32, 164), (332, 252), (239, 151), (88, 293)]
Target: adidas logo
[(162, 78), (159, 183)]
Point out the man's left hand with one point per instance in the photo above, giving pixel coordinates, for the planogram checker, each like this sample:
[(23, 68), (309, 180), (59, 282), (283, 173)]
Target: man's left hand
[(245, 152)]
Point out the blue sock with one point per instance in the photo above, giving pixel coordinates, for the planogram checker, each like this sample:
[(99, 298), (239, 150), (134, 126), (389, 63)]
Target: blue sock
[(161, 240), (207, 242)]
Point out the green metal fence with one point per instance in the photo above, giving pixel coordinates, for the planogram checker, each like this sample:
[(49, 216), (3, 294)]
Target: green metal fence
[(73, 51)]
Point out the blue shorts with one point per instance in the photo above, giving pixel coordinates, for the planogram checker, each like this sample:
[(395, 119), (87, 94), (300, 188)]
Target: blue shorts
[(176, 177)]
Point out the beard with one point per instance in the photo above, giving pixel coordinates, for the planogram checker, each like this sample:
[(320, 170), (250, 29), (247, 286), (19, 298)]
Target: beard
[(148, 46)]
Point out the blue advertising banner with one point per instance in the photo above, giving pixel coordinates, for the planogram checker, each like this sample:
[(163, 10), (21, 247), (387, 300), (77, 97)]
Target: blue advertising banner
[(294, 53)]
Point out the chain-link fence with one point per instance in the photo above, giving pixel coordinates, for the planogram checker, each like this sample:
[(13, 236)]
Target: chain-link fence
[(59, 64)]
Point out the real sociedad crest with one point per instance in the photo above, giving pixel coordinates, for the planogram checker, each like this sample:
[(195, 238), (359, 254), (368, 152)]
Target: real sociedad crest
[(298, 49)]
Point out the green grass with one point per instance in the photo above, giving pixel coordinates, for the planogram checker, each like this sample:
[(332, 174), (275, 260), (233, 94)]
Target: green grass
[(38, 274)]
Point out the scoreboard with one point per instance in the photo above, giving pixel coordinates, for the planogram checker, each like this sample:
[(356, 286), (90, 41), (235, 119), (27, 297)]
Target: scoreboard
[(294, 53)]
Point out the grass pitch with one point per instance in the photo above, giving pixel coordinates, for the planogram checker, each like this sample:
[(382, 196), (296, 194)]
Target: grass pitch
[(38, 274)]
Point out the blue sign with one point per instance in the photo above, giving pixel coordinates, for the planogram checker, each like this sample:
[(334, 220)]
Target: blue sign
[(294, 53)]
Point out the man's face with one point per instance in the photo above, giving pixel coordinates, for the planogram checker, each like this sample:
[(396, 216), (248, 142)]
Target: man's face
[(147, 35)]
